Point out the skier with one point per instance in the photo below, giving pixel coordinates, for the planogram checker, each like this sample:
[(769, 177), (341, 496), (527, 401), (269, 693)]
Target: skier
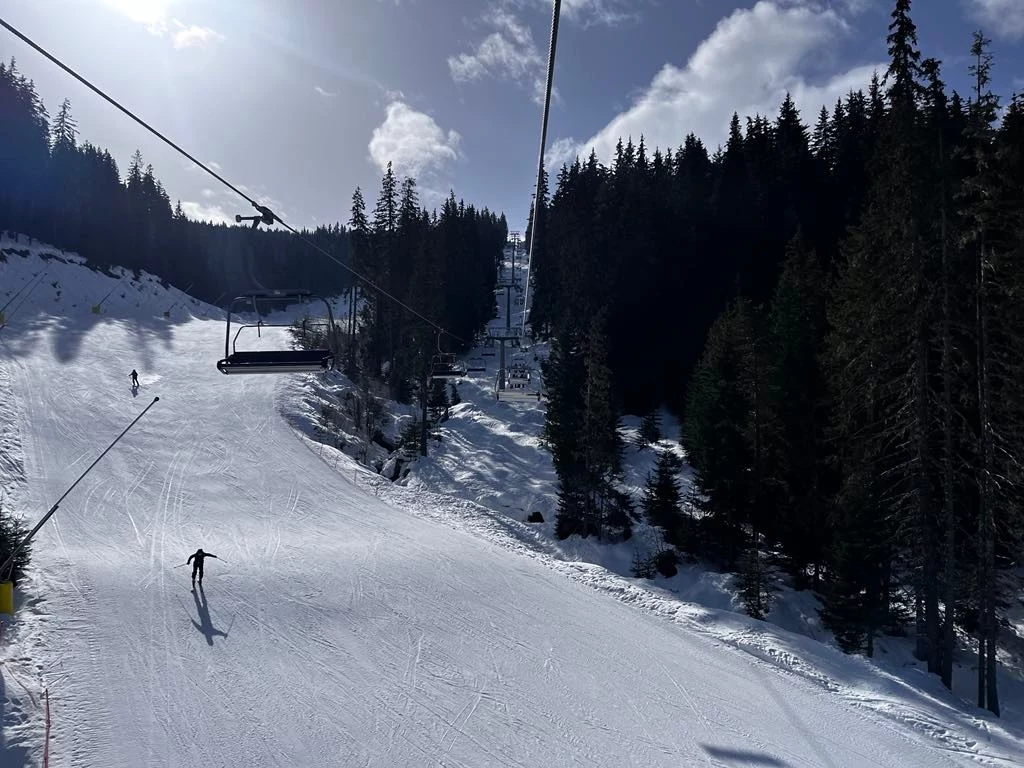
[(197, 566), (135, 377)]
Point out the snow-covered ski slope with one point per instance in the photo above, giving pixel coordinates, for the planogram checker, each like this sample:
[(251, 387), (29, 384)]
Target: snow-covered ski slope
[(336, 629)]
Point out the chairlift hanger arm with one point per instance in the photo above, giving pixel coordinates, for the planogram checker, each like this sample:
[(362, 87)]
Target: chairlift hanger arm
[(265, 216)]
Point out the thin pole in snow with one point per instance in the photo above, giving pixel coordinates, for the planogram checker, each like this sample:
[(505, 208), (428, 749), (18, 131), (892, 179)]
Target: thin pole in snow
[(8, 565)]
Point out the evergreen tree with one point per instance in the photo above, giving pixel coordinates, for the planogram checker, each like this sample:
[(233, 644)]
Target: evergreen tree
[(64, 130), (379, 314), (722, 433), (892, 269), (582, 434), (992, 237), (662, 502), (802, 451), (650, 428), (359, 239)]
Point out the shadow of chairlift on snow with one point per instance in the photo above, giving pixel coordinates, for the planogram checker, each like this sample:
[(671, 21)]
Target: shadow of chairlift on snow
[(743, 757)]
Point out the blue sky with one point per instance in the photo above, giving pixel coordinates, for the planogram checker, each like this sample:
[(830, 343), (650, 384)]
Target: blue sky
[(298, 102)]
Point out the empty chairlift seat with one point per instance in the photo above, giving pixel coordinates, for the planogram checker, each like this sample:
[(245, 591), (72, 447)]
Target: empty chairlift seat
[(319, 334), (278, 361), (445, 366)]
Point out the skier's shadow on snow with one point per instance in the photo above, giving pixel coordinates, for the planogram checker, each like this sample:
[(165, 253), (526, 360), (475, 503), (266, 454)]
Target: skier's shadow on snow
[(205, 625), (135, 391)]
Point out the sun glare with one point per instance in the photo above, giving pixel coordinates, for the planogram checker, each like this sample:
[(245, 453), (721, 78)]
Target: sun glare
[(152, 13)]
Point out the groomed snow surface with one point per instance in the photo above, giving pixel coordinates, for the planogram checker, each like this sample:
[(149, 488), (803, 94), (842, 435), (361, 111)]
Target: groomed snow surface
[(353, 622)]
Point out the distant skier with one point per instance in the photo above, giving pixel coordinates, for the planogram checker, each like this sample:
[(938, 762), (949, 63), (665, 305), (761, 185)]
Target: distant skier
[(135, 377), (197, 566)]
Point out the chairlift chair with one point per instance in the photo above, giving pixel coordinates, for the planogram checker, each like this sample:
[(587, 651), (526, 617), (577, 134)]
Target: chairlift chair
[(277, 360), (521, 395), (516, 389), (444, 366), (476, 364)]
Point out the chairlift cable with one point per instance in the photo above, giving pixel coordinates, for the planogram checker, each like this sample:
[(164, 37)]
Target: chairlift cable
[(265, 212), (555, 13)]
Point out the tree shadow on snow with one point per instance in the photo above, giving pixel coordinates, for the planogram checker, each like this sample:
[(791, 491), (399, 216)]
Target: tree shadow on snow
[(11, 755), (741, 757), (205, 625)]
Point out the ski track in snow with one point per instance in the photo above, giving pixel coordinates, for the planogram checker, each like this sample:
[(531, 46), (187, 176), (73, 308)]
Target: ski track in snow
[(351, 622)]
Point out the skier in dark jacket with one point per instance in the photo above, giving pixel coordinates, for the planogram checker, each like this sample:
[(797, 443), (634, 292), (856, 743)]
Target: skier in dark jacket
[(135, 377), (197, 566)]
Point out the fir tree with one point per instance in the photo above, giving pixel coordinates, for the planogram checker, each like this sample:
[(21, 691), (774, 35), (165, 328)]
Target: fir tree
[(662, 502), (802, 451), (359, 239), (992, 230), (721, 431)]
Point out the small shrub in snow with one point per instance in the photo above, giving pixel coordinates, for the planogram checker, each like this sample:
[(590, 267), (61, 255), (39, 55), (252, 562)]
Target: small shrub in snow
[(755, 583), (409, 440), (13, 530), (643, 565), (664, 561)]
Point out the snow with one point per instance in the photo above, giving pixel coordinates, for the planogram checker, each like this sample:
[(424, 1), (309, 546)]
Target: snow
[(352, 621)]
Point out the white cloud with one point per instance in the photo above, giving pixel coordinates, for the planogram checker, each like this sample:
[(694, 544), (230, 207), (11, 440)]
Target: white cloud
[(560, 151), (324, 91), (747, 64), (214, 213), (155, 16), (508, 53), (859, 6), (413, 142), (1003, 18), (589, 12), (194, 36)]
